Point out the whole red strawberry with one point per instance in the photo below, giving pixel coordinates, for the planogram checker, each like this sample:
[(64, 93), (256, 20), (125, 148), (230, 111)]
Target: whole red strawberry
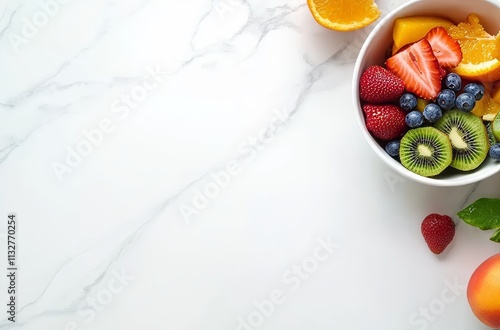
[(379, 85), (386, 121), (438, 231)]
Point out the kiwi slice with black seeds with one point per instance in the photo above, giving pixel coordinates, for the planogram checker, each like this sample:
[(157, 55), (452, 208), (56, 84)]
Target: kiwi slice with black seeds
[(495, 127), (491, 135), (425, 151), (468, 137)]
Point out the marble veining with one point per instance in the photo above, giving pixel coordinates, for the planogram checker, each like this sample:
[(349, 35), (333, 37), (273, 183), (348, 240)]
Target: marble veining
[(177, 199)]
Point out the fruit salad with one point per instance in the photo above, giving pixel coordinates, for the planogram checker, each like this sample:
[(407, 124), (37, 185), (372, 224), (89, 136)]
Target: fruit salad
[(434, 103)]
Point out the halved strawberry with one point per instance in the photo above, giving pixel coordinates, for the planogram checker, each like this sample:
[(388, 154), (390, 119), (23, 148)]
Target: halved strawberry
[(418, 68), (446, 49), (442, 72)]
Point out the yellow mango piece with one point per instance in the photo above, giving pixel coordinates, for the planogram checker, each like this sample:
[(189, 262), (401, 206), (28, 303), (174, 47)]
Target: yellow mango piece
[(421, 104), (487, 108), (394, 49), (495, 93), (481, 106), (413, 28)]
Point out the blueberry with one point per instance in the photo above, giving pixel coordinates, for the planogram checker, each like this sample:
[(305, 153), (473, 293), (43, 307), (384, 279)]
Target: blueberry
[(392, 148), (408, 101), (495, 151), (446, 99), (414, 119), (453, 82), (432, 112), (465, 102), (476, 89)]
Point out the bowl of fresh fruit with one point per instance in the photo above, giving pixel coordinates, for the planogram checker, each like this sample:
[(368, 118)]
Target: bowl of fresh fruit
[(426, 90)]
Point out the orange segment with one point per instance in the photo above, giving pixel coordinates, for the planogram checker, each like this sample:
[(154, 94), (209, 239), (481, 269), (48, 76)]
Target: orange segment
[(344, 15), (485, 71), (481, 51), (477, 44)]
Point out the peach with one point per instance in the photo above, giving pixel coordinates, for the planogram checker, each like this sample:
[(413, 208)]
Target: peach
[(483, 292)]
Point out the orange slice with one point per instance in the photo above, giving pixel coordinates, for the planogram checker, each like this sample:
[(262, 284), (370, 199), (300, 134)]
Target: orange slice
[(485, 71), (344, 15), (481, 51)]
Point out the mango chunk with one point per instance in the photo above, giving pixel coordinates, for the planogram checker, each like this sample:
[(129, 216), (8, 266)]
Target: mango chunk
[(413, 28), (495, 94)]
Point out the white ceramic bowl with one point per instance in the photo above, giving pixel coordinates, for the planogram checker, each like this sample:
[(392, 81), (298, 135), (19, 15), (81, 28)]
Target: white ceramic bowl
[(373, 53)]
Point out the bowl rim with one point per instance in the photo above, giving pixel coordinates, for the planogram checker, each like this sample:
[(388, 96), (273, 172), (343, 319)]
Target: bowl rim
[(467, 178)]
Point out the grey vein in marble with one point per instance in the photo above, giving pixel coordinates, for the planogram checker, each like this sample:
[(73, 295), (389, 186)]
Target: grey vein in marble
[(7, 150), (9, 22), (47, 83)]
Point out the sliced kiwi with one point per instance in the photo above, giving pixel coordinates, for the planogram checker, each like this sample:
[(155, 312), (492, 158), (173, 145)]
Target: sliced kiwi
[(425, 151), (489, 129), (496, 127), (468, 137)]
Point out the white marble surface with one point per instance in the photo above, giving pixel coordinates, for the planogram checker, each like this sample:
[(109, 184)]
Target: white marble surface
[(116, 116)]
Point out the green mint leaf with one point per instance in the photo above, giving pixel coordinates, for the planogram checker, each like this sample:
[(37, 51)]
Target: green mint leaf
[(483, 213), (496, 236)]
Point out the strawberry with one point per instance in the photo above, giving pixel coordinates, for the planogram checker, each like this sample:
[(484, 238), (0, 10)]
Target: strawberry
[(446, 49), (418, 68), (442, 72), (379, 85), (438, 231), (385, 121)]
